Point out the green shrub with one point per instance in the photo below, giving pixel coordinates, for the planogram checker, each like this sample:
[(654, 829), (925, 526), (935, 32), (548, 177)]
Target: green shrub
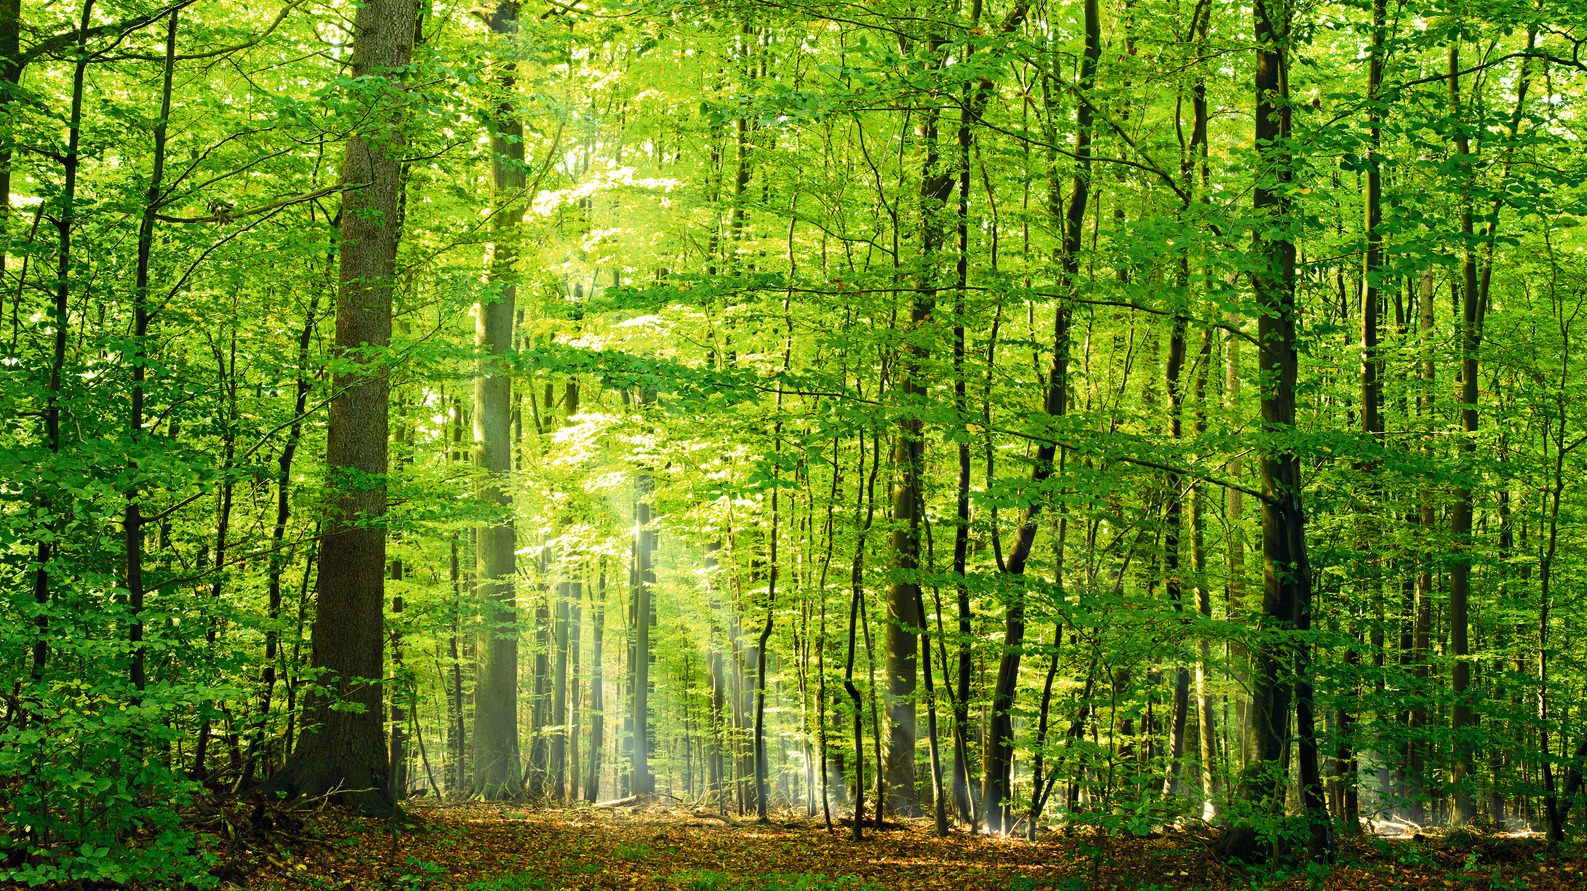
[(86, 794)]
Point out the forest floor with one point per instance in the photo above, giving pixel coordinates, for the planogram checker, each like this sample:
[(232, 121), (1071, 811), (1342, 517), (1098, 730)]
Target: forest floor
[(502, 847)]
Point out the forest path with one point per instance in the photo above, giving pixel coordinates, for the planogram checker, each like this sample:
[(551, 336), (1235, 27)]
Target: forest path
[(512, 847)]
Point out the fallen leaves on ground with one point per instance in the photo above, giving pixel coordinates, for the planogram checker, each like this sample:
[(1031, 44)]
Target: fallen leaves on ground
[(511, 847)]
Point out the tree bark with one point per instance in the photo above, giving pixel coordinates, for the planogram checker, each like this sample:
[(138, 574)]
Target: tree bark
[(641, 780), (909, 456), (342, 750), (557, 782), (497, 769), (762, 788), (1462, 716), (138, 348), (865, 494), (592, 776), (1474, 289), (1286, 574)]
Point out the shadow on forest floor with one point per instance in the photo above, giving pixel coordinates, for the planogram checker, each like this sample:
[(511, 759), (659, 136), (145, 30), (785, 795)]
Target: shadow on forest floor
[(513, 847)]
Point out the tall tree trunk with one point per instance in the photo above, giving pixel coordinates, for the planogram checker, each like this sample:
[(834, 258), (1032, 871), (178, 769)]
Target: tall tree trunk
[(557, 781), (1206, 714), (278, 558), (1419, 614), (998, 758), (402, 692), (939, 798), (1554, 817), (1371, 399), (641, 780), (1172, 528), (592, 776), (1239, 655), (497, 770), (226, 374), (537, 769), (1286, 575), (1195, 173), (575, 648), (1473, 308), (761, 767), (716, 729), (865, 495), (342, 750), (909, 455), (399, 698), (10, 75), (48, 502), (457, 712), (132, 514), (1462, 716), (762, 789)]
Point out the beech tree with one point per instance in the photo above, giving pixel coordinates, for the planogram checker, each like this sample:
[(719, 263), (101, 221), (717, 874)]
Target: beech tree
[(341, 751), (498, 770)]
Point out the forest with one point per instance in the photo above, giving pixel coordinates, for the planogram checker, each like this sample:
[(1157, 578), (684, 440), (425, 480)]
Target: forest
[(998, 414)]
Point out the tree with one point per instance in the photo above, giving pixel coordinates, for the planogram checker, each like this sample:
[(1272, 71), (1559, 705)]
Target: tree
[(341, 750), (997, 786), (497, 770), (1280, 669)]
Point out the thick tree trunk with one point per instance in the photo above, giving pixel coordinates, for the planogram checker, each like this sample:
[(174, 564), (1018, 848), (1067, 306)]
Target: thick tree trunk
[(909, 456), (1286, 576), (1172, 528), (341, 749), (498, 772), (1463, 717)]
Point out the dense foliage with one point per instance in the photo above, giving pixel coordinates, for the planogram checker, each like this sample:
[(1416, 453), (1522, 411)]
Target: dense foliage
[(893, 405)]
